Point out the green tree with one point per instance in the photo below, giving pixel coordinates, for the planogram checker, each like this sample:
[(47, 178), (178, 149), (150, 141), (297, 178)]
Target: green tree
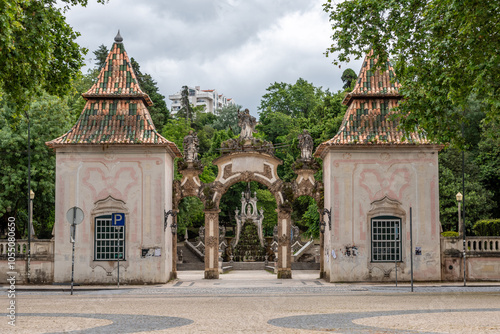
[(227, 118), (186, 110), (478, 199), (190, 214), (49, 117), (175, 130), (37, 49), (158, 111), (444, 52), (297, 100), (267, 202), (306, 216), (488, 160), (100, 56), (349, 79)]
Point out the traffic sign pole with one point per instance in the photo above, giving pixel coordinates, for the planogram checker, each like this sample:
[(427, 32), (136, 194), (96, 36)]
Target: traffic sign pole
[(74, 216), (73, 257)]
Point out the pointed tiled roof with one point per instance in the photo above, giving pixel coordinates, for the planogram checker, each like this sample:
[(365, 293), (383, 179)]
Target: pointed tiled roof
[(115, 112), (366, 120), (117, 78)]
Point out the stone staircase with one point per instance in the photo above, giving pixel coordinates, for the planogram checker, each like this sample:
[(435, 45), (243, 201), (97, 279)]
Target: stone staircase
[(189, 260)]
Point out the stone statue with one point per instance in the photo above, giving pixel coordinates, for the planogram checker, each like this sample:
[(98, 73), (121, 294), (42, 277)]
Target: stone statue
[(247, 124), (306, 145), (191, 143)]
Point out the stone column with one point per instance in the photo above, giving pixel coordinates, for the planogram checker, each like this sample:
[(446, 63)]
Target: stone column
[(212, 244), (284, 245), (173, 273)]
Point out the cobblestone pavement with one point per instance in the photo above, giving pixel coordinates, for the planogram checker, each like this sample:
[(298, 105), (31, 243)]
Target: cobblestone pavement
[(256, 302)]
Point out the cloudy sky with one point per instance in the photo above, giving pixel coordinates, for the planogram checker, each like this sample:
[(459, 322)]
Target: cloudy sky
[(238, 47)]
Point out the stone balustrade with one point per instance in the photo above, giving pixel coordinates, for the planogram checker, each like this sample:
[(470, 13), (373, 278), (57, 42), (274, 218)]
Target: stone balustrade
[(483, 244), (482, 258), (40, 249)]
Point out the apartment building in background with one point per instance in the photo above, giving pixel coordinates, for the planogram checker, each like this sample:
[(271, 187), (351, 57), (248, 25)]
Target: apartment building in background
[(209, 98)]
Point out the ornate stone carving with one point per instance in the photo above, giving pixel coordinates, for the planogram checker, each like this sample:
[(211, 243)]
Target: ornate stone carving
[(247, 124), (228, 171), (385, 156), (211, 241), (306, 145), (268, 172), (249, 213), (283, 240), (191, 143)]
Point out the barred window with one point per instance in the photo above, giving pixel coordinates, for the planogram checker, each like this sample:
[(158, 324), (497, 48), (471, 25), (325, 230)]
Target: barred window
[(386, 239), (109, 240)]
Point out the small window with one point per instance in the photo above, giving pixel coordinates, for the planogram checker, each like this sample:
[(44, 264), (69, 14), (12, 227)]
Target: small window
[(109, 241), (386, 239)]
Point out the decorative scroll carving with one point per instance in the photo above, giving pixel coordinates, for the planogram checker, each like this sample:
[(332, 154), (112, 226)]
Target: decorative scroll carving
[(283, 240), (211, 241)]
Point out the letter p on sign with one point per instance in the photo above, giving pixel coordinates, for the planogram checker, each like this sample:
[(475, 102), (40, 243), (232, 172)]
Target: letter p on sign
[(118, 219)]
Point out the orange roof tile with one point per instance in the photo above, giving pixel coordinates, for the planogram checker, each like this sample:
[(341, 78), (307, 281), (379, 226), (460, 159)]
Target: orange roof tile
[(366, 120), (115, 112)]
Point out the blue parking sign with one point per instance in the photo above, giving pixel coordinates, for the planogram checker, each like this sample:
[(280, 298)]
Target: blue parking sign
[(118, 219)]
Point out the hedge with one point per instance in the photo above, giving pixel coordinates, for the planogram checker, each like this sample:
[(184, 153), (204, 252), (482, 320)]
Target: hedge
[(487, 228), (449, 234)]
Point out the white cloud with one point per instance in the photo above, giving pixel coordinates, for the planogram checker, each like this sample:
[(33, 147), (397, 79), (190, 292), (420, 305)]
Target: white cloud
[(238, 47)]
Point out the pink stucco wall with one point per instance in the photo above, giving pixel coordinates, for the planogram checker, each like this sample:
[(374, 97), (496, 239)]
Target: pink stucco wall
[(136, 180), (366, 182)]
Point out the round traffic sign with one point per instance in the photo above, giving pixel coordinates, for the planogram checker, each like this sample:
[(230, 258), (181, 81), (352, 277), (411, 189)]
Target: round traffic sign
[(74, 215)]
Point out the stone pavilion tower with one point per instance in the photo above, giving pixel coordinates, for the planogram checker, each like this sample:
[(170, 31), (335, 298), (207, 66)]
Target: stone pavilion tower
[(115, 166), (373, 173)]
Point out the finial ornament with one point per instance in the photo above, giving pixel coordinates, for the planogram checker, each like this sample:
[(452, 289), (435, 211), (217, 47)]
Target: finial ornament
[(118, 37)]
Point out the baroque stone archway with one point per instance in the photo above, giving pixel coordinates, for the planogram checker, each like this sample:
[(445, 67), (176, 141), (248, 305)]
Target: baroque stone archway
[(247, 159)]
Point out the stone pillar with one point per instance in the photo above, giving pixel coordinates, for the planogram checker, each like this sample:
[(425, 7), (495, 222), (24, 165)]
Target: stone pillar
[(173, 274), (212, 244), (284, 245)]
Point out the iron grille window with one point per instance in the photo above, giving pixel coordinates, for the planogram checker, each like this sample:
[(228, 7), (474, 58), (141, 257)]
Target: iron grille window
[(109, 240), (386, 239)]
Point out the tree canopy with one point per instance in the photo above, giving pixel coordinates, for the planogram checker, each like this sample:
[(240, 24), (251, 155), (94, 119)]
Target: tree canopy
[(443, 52), (37, 49), (158, 111)]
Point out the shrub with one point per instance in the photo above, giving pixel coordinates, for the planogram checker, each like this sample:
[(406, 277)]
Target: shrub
[(487, 228), (450, 234)]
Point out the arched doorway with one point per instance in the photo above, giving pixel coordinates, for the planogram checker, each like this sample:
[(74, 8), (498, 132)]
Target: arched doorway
[(247, 159)]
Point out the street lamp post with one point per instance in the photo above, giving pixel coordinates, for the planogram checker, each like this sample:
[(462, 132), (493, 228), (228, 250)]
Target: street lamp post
[(461, 228)]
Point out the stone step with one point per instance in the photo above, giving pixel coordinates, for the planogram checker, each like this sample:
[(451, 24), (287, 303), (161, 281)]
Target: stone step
[(187, 255)]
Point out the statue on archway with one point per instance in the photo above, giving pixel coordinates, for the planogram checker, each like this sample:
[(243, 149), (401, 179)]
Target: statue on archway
[(191, 143), (306, 145), (247, 124)]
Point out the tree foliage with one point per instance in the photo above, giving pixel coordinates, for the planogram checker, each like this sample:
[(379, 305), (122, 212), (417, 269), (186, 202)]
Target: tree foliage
[(227, 118), (100, 56), (49, 117), (37, 49), (158, 111), (349, 79), (443, 51)]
